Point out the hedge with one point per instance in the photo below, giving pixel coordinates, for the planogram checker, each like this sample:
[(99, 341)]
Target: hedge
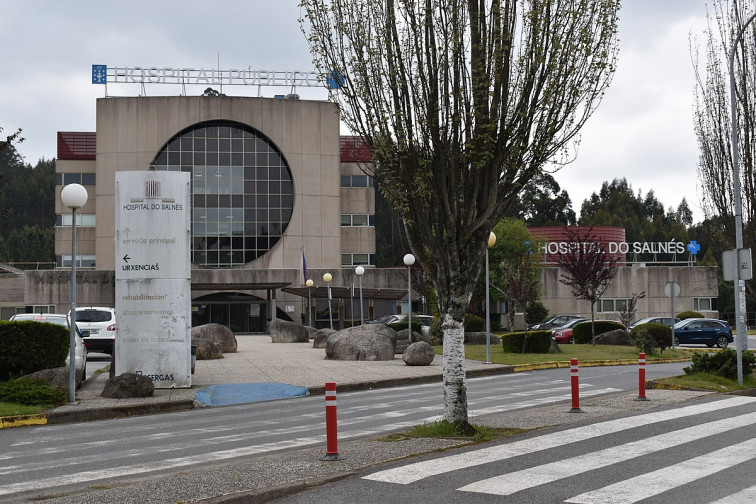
[(661, 334), (581, 333), (527, 342), (689, 314), (28, 346)]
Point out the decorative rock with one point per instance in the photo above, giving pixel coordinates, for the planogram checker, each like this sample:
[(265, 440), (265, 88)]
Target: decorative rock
[(616, 337), (128, 385), (369, 342), (418, 354), (321, 337), (206, 349), (282, 331), (56, 377), (220, 335), (479, 338)]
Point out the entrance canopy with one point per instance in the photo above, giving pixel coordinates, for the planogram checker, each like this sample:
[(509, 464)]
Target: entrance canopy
[(345, 292)]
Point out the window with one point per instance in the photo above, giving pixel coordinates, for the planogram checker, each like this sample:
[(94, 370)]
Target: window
[(76, 178), (84, 261), (358, 259), (705, 304), (612, 304), (356, 181), (242, 190), (356, 220), (85, 220)]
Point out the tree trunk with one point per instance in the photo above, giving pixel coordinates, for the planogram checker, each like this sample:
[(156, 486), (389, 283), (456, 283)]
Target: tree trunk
[(455, 380)]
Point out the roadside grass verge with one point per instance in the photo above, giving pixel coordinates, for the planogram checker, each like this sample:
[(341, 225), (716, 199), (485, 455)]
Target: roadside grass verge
[(13, 409), (584, 353), (446, 430), (708, 381)]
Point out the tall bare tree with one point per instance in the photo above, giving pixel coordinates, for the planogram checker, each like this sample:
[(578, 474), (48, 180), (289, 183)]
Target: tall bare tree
[(461, 102), (713, 120)]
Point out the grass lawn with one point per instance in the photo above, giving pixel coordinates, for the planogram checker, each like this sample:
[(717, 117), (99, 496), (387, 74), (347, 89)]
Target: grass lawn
[(583, 353), (708, 382), (11, 409)]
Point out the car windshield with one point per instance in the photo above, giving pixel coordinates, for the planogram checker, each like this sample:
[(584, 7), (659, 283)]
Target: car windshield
[(92, 316), (60, 320), (681, 323)]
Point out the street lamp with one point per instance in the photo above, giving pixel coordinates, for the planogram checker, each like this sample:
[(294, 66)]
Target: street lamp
[(359, 271), (741, 329), (73, 196), (409, 260), (309, 283), (327, 279), (491, 243)]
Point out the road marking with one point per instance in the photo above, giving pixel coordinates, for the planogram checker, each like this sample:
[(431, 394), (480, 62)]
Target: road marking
[(507, 484), (655, 482), (411, 473), (745, 495)]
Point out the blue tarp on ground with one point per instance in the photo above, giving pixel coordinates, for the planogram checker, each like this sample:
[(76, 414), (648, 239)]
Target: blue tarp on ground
[(239, 393)]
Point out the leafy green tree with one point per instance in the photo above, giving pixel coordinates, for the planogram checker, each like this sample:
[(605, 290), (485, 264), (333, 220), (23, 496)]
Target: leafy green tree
[(514, 269), (461, 104), (543, 202)]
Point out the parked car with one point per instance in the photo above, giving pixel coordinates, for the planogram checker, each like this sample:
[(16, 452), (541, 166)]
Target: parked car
[(425, 321), (553, 321), (703, 331), (80, 351), (101, 323), (563, 334), (655, 320)]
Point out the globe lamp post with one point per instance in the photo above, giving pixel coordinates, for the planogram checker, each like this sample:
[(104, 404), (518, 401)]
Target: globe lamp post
[(327, 279), (359, 271), (309, 283), (409, 260), (73, 196), (491, 243)]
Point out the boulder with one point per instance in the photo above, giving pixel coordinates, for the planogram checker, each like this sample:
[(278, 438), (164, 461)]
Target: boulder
[(320, 338), (402, 340), (206, 349), (282, 331), (221, 336), (479, 338), (56, 377), (369, 342), (616, 337), (418, 354), (128, 385)]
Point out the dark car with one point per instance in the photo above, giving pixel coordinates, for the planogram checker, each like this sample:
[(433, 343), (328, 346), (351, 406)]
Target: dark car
[(703, 331), (552, 322), (655, 320)]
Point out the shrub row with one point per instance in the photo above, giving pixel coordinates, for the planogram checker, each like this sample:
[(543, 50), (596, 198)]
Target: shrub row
[(723, 363), (26, 347), (582, 335), (527, 342)]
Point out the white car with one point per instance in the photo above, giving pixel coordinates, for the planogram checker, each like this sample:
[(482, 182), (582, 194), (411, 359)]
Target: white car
[(100, 321), (80, 352), (425, 321)]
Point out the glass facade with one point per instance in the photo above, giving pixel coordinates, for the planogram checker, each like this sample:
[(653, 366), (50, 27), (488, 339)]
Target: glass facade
[(242, 190)]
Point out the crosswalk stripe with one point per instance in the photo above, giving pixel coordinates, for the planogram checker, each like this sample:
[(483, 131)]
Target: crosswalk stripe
[(745, 495), (507, 484), (653, 483), (414, 472)]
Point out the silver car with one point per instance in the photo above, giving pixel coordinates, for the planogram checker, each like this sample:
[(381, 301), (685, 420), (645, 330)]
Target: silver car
[(80, 352)]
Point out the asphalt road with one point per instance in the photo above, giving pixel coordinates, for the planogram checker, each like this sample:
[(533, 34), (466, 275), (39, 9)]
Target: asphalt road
[(62, 458), (700, 452)]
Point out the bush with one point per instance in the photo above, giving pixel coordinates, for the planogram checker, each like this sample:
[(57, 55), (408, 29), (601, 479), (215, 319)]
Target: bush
[(644, 340), (661, 333), (689, 314), (535, 312), (27, 346), (473, 323), (402, 325), (31, 392), (527, 342), (581, 333), (723, 363)]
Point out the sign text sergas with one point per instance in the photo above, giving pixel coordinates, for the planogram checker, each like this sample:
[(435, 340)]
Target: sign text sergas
[(670, 247), (189, 76)]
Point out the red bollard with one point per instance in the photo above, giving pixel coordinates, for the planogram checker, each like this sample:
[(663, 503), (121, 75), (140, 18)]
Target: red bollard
[(642, 377), (332, 442), (575, 387)]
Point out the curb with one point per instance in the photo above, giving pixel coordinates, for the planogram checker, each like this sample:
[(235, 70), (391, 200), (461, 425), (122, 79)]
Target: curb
[(22, 421)]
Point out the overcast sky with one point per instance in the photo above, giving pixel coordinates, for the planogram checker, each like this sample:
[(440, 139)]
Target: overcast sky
[(642, 131)]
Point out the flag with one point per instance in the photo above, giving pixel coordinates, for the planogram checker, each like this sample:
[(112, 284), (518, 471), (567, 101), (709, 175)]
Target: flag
[(303, 269)]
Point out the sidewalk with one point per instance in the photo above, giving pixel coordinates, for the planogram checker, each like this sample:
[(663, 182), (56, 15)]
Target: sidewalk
[(258, 360)]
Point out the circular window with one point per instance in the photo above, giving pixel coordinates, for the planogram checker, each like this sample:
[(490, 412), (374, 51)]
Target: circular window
[(242, 190)]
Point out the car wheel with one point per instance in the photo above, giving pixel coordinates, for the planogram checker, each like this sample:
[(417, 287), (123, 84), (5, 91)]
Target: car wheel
[(722, 341), (677, 341), (709, 345)]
